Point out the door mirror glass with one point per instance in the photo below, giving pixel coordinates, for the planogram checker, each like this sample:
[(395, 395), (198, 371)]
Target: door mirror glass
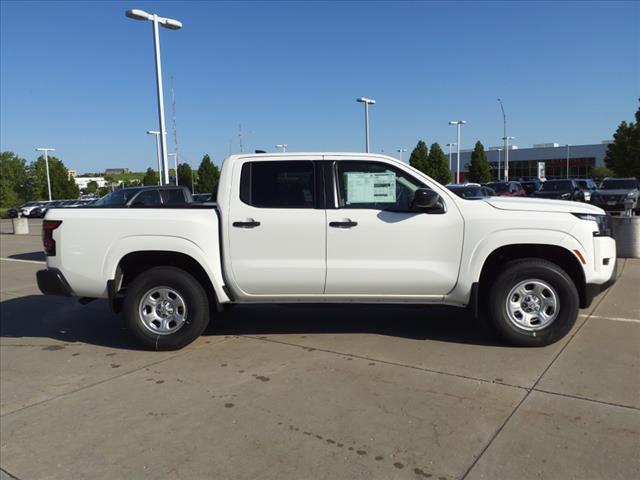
[(425, 198)]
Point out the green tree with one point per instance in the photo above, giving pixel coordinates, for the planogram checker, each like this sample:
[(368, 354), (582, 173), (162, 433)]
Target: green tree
[(479, 169), (150, 177), (420, 156), (623, 155), (437, 166), (92, 187), (185, 174), (208, 175), (14, 185), (601, 172), (63, 186)]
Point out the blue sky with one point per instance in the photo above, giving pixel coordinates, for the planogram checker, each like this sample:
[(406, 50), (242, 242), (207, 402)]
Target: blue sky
[(79, 76)]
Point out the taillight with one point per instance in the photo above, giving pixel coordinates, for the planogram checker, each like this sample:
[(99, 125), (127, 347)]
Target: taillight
[(48, 226)]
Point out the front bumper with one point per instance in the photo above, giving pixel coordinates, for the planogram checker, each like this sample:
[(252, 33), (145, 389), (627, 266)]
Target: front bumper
[(52, 282), (593, 289)]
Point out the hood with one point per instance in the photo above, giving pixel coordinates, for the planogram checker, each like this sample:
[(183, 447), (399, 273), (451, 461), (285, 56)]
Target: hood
[(620, 191), (529, 204)]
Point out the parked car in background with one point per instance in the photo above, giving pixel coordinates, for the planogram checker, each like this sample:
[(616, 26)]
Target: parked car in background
[(613, 193), (531, 186), (201, 197), (507, 189), (560, 190), (27, 206), (153, 196), (472, 192), (41, 210), (587, 186)]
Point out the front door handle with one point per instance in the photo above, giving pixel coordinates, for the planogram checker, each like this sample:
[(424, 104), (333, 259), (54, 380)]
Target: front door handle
[(344, 224), (249, 223)]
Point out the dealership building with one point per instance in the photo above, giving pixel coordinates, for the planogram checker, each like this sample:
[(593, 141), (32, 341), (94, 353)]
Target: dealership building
[(523, 162)]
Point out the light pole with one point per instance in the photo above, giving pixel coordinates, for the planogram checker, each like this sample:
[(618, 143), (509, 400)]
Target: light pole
[(568, 157), (401, 151), (499, 174), (171, 24), (506, 141), (175, 158), (157, 134), (46, 151), (506, 157), (283, 146), (457, 123), (450, 145), (367, 102)]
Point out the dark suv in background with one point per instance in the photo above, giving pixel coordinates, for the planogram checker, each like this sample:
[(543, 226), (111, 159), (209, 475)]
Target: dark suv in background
[(560, 190), (614, 191), (154, 196)]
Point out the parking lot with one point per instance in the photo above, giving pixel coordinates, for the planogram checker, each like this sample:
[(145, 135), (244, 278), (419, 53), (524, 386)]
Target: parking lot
[(322, 392)]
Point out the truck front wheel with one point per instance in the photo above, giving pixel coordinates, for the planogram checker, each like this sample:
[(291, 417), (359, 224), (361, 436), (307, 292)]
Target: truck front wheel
[(533, 303), (166, 308)]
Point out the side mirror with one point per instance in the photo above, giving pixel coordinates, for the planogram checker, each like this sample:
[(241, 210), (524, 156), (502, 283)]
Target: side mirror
[(425, 198)]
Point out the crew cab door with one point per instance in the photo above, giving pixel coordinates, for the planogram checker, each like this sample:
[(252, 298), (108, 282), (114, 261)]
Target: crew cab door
[(277, 227), (377, 244)]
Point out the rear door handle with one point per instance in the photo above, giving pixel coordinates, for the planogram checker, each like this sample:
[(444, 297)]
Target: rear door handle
[(249, 223), (344, 224)]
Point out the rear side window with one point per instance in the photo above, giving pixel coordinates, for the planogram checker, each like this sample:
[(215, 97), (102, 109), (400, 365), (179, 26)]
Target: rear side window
[(278, 184), (147, 198), (173, 197)]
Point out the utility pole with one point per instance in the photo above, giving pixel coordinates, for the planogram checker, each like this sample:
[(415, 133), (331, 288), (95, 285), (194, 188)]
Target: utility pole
[(457, 123), (46, 151), (568, 156), (401, 151), (367, 102), (450, 145)]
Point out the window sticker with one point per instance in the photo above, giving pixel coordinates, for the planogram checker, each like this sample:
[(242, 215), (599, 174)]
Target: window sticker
[(370, 187)]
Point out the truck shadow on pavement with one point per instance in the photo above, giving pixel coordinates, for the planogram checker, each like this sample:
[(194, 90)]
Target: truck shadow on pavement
[(32, 256), (64, 319)]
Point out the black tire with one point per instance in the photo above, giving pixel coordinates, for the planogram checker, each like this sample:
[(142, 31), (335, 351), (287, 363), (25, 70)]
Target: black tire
[(518, 271), (192, 293)]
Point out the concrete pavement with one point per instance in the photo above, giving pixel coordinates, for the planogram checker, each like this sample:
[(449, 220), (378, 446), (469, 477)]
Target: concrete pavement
[(313, 392)]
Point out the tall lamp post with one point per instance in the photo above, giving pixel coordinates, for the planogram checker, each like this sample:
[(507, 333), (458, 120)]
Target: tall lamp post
[(171, 24), (367, 102), (568, 157), (157, 134), (457, 123), (505, 139), (506, 157), (175, 161), (46, 151), (499, 174), (282, 146), (450, 145), (401, 151)]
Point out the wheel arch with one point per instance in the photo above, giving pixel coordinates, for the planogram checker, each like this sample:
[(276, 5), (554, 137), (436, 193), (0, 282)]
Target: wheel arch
[(560, 256)]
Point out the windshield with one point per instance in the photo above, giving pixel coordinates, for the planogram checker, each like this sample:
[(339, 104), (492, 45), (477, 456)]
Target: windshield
[(556, 186), (116, 198), (499, 187), (619, 185)]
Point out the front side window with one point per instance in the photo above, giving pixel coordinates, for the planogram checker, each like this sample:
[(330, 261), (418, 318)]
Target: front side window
[(289, 184), (376, 186)]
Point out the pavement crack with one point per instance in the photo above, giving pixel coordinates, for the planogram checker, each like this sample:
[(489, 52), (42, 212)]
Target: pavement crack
[(10, 477)]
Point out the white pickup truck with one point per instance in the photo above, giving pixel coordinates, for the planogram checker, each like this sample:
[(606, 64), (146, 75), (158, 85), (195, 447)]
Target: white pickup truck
[(332, 228)]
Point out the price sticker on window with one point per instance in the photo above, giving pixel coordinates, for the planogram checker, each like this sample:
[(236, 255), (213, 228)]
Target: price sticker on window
[(370, 187)]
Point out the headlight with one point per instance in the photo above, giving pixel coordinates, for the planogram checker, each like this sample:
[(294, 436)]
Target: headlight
[(565, 196), (631, 195), (603, 222)]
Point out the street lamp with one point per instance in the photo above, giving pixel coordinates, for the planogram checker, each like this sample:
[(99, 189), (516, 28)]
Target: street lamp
[(157, 134), (283, 146), (367, 102), (171, 24), (46, 150), (457, 123), (568, 156), (401, 151), (450, 145), (175, 158), (506, 157), (499, 174)]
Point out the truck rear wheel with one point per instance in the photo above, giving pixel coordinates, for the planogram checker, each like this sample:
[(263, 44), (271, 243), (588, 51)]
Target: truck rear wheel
[(533, 303), (166, 308)]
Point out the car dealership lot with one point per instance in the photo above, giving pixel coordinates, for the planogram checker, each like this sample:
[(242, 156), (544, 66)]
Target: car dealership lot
[(312, 392)]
